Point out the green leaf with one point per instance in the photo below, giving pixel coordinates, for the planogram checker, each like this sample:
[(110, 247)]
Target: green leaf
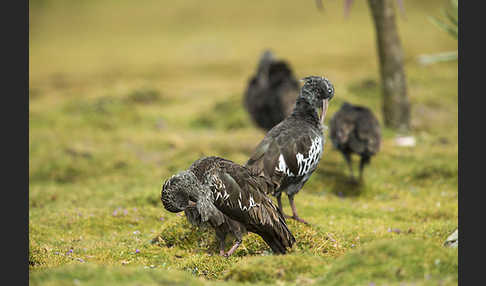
[(446, 27), (452, 18), (441, 57)]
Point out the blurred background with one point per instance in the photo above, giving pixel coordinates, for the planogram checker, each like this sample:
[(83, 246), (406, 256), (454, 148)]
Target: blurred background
[(122, 94), (177, 42)]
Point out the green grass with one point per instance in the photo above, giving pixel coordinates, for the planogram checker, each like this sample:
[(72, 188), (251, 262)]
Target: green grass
[(123, 95)]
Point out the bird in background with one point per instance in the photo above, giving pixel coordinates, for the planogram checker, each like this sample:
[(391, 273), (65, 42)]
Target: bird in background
[(290, 152), (227, 196), (355, 130), (271, 93)]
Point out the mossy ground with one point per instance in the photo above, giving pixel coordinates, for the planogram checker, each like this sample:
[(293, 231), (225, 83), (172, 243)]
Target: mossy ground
[(123, 94)]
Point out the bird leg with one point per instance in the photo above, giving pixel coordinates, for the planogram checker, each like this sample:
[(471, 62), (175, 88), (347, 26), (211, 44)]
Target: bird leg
[(347, 157), (361, 166), (221, 247), (280, 207), (294, 210), (233, 248), (364, 160), (220, 237)]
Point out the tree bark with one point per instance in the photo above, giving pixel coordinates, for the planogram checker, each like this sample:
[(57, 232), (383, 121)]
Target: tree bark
[(396, 107)]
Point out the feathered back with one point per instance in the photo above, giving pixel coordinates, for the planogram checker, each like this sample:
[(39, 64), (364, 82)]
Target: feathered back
[(242, 196), (271, 92), (355, 128)]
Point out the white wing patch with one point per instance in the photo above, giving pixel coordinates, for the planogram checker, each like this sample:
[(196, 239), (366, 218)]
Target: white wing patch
[(218, 186), (219, 192), (226, 195), (310, 163), (247, 208), (305, 164), (282, 167)]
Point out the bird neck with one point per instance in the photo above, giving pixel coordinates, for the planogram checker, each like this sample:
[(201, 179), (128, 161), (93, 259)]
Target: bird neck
[(304, 110), (263, 76)]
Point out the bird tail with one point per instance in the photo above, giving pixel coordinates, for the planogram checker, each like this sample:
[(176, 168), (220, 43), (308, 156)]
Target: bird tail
[(279, 238)]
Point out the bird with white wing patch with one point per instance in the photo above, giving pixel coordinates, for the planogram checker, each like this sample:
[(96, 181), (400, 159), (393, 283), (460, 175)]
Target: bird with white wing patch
[(290, 152), (231, 199)]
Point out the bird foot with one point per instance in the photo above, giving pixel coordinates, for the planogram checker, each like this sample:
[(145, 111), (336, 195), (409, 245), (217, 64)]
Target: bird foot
[(228, 254), (298, 219)]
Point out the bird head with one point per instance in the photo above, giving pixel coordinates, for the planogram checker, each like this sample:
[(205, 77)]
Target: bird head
[(317, 91), (266, 59), (267, 56), (180, 192)]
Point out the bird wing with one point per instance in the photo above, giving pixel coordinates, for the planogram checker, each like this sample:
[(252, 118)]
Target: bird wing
[(255, 162), (366, 136), (291, 153), (369, 130), (342, 125), (242, 196)]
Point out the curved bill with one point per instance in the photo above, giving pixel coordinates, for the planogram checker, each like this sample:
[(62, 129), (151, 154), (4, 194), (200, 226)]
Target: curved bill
[(325, 104)]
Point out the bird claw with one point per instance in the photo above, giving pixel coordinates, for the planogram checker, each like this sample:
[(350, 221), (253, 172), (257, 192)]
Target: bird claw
[(296, 218), (299, 219), (227, 254)]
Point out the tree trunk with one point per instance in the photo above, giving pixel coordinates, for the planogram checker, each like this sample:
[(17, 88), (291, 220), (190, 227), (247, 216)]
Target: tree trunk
[(396, 107)]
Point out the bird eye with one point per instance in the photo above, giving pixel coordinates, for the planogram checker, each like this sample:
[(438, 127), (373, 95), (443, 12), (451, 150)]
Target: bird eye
[(329, 90)]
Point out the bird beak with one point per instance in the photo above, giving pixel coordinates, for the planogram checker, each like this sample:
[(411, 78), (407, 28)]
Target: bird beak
[(325, 104), (191, 203)]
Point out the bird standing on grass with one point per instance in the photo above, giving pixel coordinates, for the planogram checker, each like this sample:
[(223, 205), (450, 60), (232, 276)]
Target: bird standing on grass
[(354, 129), (290, 152), (271, 92), (231, 199)]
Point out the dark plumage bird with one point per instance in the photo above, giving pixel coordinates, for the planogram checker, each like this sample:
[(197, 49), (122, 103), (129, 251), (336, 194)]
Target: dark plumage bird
[(271, 92), (231, 199), (290, 152), (354, 129)]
